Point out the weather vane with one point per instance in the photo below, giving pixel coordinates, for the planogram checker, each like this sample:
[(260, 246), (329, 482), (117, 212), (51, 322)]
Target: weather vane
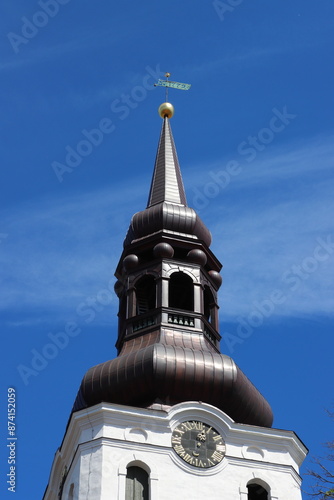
[(174, 85)]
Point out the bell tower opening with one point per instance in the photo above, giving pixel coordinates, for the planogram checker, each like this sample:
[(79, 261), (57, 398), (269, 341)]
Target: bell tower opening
[(209, 305), (145, 294), (181, 292)]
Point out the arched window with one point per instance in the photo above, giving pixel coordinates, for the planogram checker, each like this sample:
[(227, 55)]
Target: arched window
[(181, 292), (257, 492), (145, 294), (136, 484), (209, 305)]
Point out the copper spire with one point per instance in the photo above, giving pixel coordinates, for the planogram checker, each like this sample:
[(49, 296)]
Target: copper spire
[(167, 208), (167, 182)]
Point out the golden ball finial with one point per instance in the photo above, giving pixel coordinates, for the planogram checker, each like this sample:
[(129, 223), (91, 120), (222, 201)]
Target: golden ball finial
[(166, 109)]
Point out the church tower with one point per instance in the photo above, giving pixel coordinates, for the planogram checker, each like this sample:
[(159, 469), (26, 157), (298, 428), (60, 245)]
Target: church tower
[(171, 417)]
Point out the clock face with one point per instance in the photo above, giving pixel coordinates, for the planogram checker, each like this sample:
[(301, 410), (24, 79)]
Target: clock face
[(198, 444)]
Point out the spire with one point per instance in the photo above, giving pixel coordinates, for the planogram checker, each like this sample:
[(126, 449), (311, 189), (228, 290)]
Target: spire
[(167, 210), (167, 182)]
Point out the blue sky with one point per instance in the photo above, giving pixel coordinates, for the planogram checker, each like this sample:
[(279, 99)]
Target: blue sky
[(254, 137)]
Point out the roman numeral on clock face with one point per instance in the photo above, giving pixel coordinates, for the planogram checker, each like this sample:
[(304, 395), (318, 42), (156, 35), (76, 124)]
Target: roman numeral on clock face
[(217, 456)]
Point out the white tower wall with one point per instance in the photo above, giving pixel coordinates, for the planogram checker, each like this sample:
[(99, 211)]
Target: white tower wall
[(102, 441)]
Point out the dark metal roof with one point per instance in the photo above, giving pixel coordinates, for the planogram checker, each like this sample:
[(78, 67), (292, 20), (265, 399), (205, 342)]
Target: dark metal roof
[(170, 218), (167, 182), (170, 374)]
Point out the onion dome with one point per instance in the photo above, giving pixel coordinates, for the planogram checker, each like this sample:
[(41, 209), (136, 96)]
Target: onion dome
[(169, 374)]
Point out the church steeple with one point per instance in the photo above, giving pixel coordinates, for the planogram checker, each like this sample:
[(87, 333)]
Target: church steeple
[(167, 284), (166, 418)]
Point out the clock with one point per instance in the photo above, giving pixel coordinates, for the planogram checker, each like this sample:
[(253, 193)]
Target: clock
[(198, 444)]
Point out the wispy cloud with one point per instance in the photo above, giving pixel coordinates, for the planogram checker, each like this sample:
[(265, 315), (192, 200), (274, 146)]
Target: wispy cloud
[(248, 57), (270, 219), (32, 53), (62, 250)]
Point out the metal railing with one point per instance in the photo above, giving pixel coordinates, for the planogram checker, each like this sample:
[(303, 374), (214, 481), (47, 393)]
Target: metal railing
[(181, 319), (144, 322)]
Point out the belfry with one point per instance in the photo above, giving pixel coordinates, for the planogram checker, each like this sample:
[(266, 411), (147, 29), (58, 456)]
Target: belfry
[(171, 416)]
